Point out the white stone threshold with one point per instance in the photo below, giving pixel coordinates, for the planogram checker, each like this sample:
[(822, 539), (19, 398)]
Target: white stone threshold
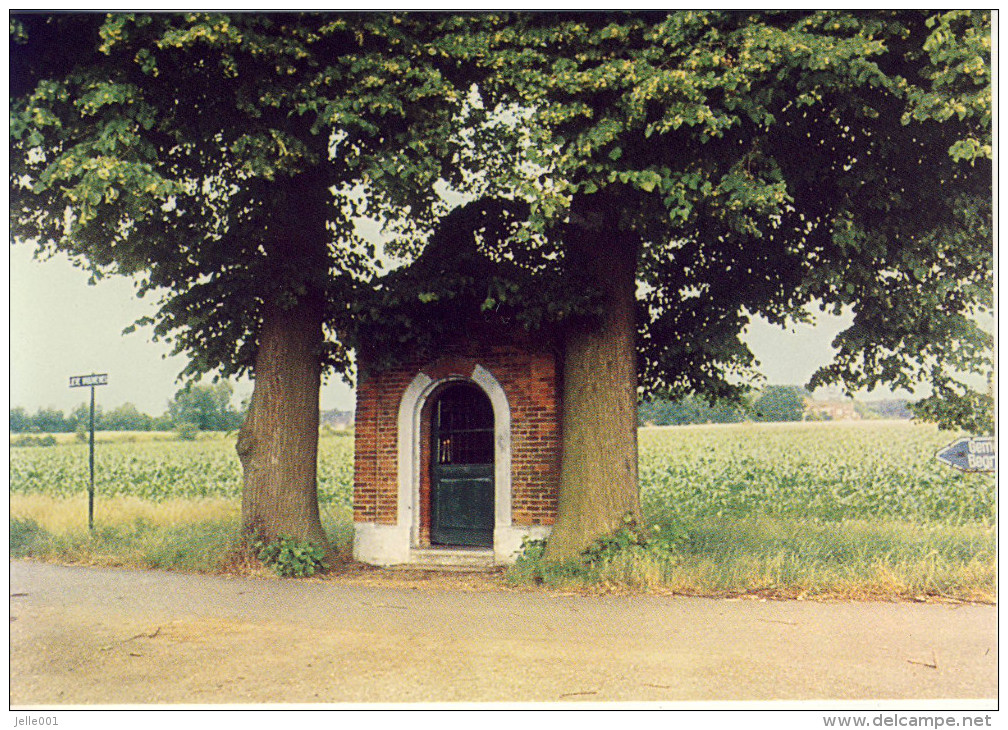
[(392, 545), (452, 557)]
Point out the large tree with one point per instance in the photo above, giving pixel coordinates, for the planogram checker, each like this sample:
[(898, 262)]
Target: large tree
[(221, 160), (206, 406), (691, 170)]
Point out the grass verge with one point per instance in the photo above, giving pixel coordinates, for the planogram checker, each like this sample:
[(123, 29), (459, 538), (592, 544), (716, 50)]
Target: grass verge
[(778, 557), (785, 558), (204, 546), (200, 535)]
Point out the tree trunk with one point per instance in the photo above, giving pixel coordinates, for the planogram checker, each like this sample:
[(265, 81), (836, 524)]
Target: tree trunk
[(598, 474), (278, 443)]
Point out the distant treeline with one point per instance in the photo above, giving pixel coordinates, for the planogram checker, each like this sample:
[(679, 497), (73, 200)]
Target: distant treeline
[(197, 406), (122, 418), (774, 403), (208, 408)]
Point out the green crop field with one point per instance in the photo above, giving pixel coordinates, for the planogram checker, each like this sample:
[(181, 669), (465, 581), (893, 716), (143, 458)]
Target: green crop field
[(824, 471), (163, 469), (829, 472), (855, 509)]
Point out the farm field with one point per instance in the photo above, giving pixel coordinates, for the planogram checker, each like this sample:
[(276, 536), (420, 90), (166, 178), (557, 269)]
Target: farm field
[(157, 468), (845, 470), (848, 508)]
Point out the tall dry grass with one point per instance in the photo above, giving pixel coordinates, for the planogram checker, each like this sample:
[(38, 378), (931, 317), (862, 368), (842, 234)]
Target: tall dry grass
[(62, 515), (791, 558), (197, 535)]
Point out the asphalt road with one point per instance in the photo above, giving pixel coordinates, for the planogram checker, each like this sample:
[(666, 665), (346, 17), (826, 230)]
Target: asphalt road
[(85, 636)]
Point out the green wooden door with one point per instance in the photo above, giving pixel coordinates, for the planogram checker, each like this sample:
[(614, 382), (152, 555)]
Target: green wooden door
[(462, 482)]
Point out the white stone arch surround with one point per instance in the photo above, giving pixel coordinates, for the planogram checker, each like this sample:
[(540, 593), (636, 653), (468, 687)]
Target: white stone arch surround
[(410, 411), (393, 544)]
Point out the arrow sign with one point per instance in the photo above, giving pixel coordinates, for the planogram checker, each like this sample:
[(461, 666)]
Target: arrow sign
[(970, 454)]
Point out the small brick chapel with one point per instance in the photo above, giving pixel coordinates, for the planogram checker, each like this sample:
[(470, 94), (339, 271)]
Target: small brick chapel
[(457, 438)]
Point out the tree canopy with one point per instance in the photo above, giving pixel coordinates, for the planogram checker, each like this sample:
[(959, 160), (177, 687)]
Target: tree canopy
[(206, 406), (199, 151), (777, 403), (774, 163)]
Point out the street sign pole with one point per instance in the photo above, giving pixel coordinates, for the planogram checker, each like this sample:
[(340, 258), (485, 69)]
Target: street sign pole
[(90, 381), (90, 498)]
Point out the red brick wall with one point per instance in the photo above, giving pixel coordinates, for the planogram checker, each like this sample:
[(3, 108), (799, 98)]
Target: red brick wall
[(529, 378)]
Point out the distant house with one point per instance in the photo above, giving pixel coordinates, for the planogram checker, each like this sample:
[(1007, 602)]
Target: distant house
[(890, 408), (836, 410)]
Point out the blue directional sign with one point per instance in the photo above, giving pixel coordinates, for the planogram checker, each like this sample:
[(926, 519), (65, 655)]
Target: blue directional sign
[(970, 454)]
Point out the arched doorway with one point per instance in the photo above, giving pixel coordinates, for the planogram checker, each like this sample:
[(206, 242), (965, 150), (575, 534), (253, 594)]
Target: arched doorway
[(462, 448)]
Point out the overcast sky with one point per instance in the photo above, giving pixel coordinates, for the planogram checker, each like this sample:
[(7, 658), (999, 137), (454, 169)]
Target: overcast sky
[(60, 326)]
